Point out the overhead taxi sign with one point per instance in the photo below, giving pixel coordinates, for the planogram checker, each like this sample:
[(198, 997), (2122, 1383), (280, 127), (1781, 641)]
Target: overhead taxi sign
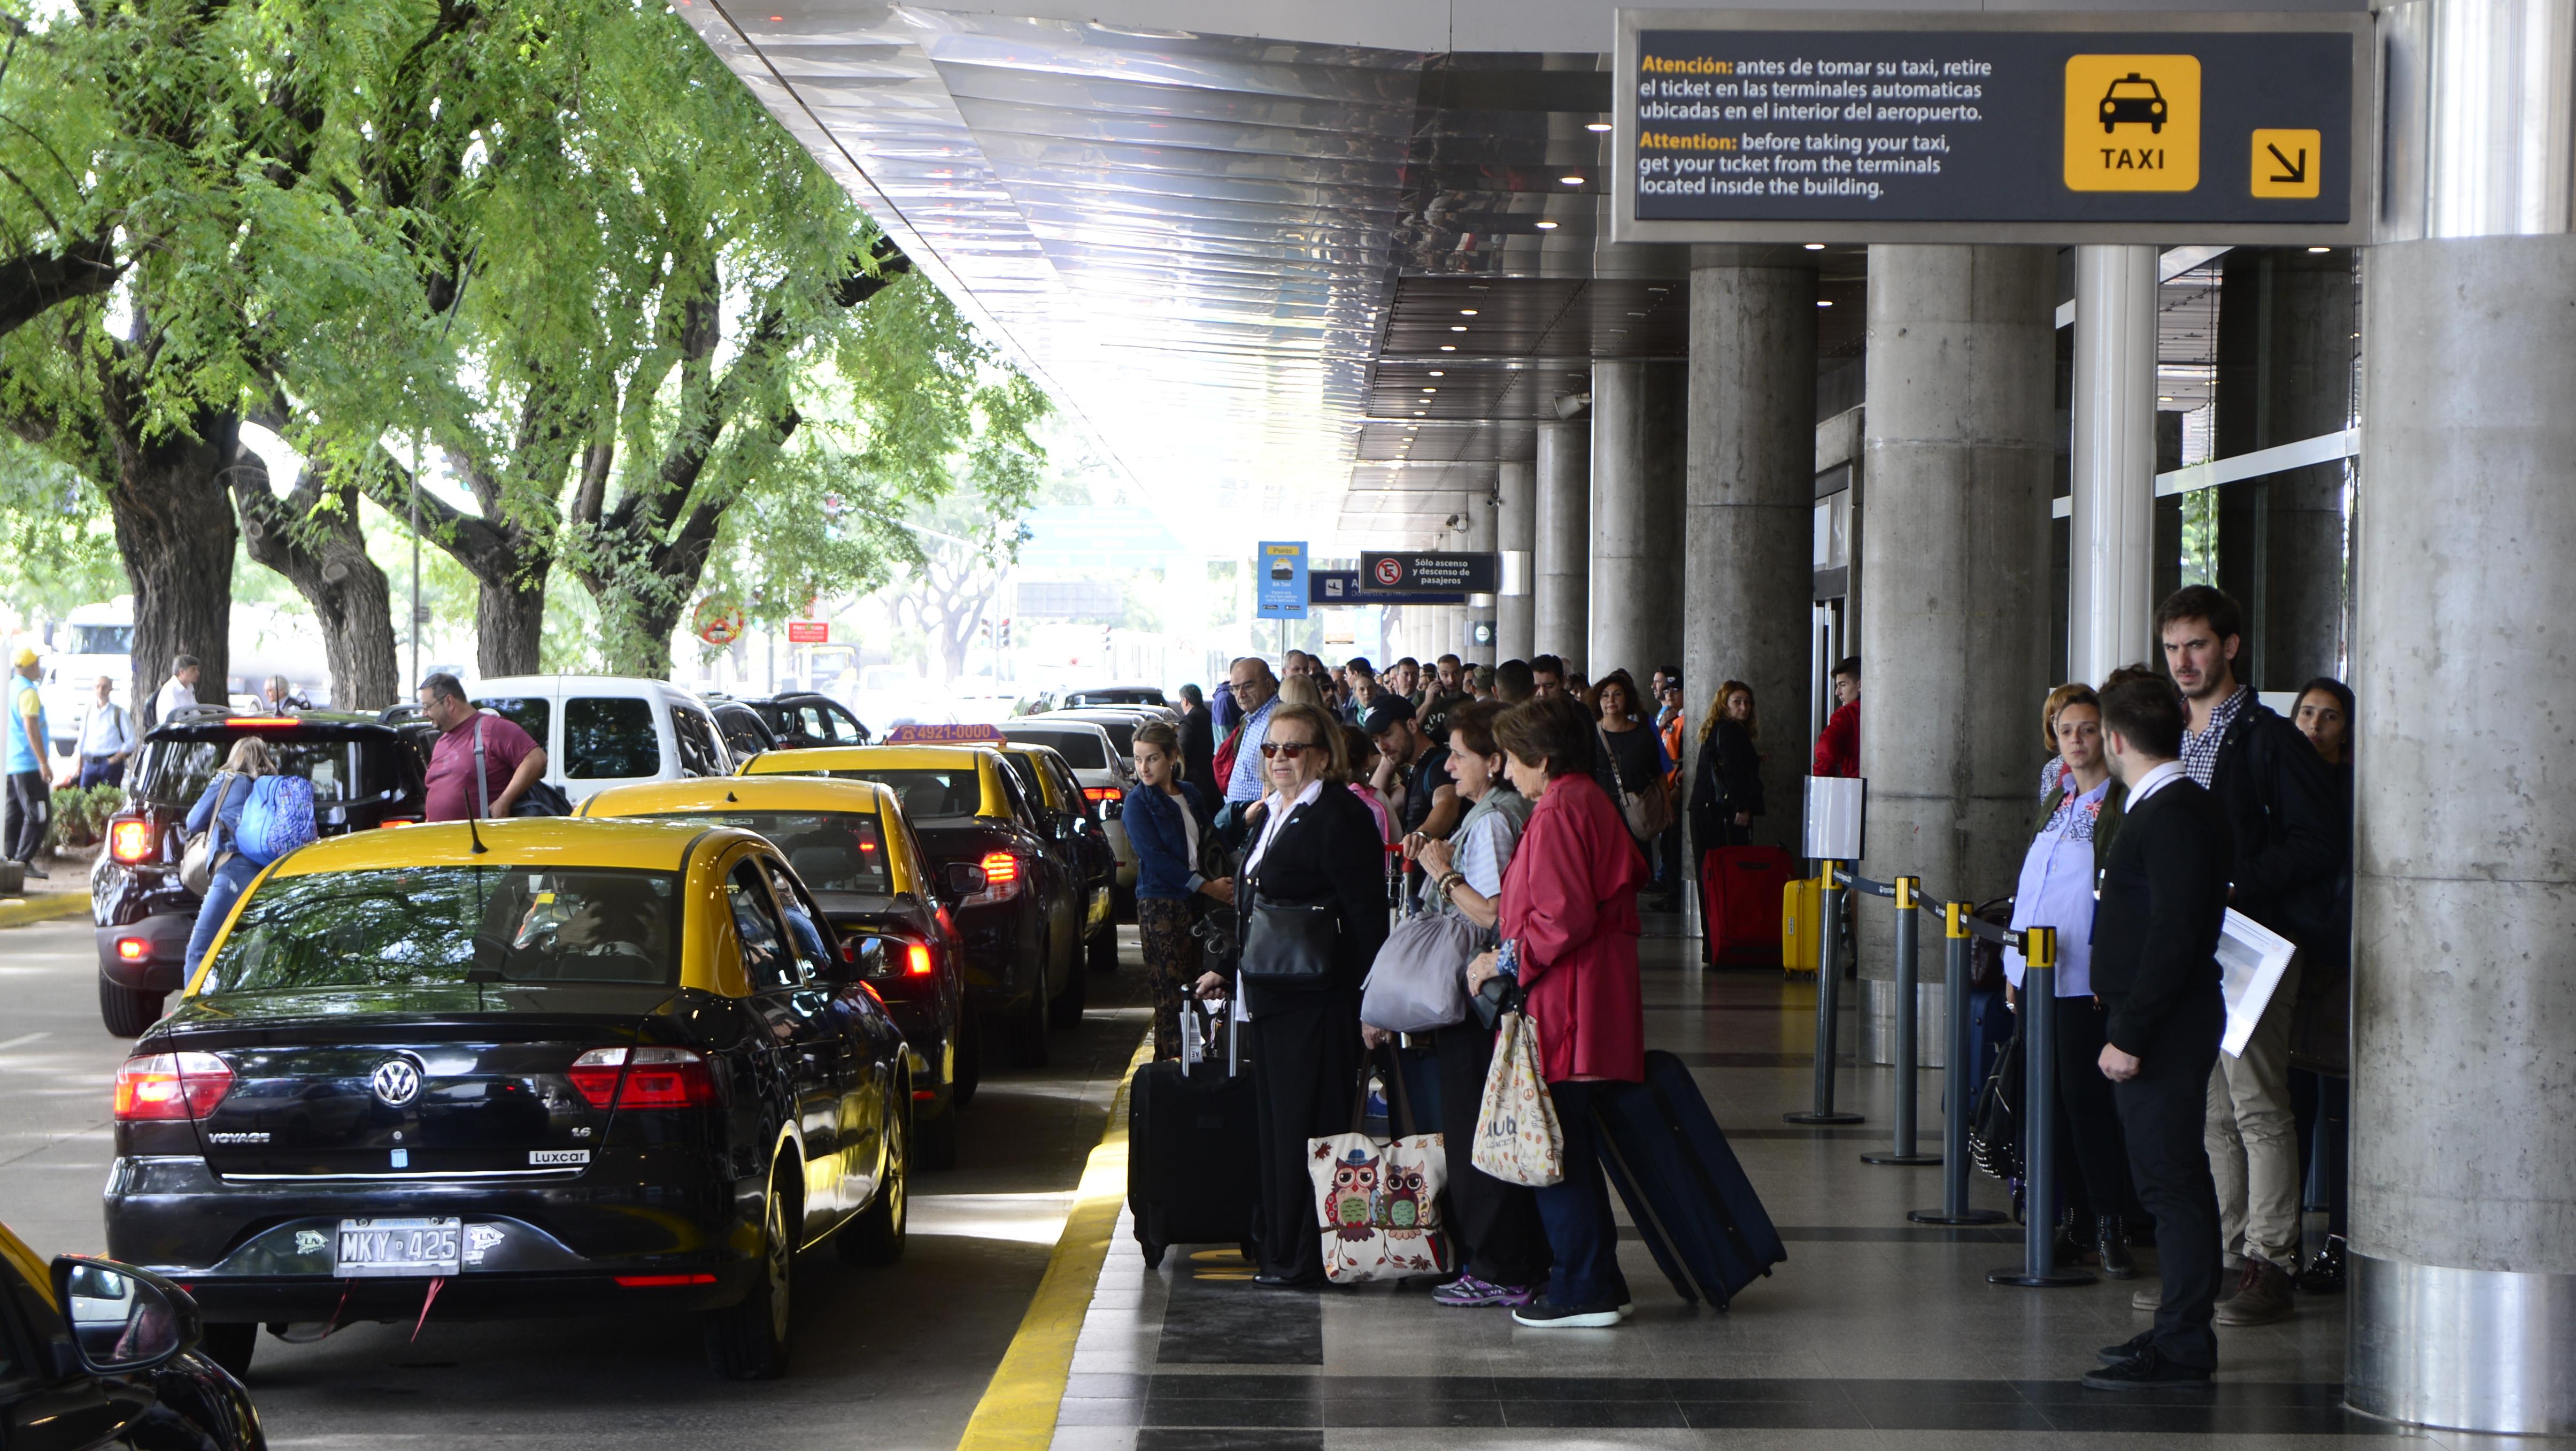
[(1817, 126)]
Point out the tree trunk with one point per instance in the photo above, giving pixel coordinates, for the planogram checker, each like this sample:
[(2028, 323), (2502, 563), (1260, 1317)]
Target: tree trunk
[(175, 532), (321, 551), (509, 622)]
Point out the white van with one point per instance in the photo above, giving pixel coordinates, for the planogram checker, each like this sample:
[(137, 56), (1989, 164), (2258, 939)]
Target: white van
[(610, 730)]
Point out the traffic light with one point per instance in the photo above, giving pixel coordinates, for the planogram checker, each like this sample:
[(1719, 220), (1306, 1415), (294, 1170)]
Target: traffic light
[(1006, 632)]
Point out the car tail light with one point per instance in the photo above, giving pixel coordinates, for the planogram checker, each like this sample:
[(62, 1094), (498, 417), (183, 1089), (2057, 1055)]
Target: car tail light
[(1107, 798), (171, 1086), (132, 949), (129, 841), (642, 1078), (242, 722), (1001, 879), (916, 961), (662, 1282)]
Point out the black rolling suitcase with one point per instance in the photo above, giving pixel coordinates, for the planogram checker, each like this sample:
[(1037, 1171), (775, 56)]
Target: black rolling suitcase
[(1193, 1166), (1693, 1206)]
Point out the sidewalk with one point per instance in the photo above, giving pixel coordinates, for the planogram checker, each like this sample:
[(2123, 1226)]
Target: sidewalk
[(64, 891), (1876, 1332)]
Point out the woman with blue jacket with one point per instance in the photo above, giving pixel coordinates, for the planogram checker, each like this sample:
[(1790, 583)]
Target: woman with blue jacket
[(219, 809), (1166, 822)]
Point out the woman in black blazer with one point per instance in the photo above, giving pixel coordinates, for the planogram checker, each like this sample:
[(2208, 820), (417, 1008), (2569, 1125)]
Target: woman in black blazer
[(1315, 842)]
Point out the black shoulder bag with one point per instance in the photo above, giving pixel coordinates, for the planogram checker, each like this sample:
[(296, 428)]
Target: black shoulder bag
[(1288, 944)]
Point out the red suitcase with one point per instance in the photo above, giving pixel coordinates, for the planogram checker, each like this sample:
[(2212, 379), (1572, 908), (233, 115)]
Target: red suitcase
[(1740, 902)]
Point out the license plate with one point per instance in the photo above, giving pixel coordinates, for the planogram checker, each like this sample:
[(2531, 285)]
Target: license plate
[(399, 1247)]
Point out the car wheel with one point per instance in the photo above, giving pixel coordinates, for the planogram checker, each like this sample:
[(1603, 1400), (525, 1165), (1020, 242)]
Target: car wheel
[(127, 1011), (935, 1142), (229, 1345), (970, 1060), (749, 1339), (1066, 1010), (1104, 948), (875, 1235)]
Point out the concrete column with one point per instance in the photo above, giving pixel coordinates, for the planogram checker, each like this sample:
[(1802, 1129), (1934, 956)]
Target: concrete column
[(1482, 526), (1515, 530), (2112, 562), (1958, 448), (1749, 506), (1638, 416), (2285, 351), (1560, 617)]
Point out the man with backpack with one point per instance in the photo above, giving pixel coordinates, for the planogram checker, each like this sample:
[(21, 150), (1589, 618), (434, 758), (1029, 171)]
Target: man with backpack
[(512, 762)]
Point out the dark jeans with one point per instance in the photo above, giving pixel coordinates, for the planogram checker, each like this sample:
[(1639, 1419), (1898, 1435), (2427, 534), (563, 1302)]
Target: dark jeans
[(101, 771), (2322, 1104), (1495, 1225), (1305, 1063), (224, 890), (2089, 1142), (1580, 1232), (2161, 1111), (31, 806)]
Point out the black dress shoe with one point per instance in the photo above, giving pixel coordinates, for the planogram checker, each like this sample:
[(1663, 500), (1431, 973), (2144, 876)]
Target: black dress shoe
[(2147, 1371), (2324, 1274), (2113, 1239), (1271, 1280), (2128, 1349)]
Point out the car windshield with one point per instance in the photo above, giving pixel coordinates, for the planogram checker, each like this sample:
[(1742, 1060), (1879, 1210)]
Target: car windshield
[(101, 640), (1122, 734), (830, 851), (926, 792), (175, 773), (416, 927), (1081, 749)]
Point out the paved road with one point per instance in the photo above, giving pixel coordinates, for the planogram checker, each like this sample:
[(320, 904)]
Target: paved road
[(893, 1357)]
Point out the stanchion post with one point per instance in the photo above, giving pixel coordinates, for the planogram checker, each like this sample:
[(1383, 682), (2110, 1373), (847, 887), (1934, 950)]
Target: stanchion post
[(1907, 892), (1829, 981), (2038, 1269), (1959, 1078)]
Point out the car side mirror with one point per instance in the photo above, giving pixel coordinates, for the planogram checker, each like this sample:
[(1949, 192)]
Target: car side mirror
[(123, 1320), (861, 958), (963, 880)]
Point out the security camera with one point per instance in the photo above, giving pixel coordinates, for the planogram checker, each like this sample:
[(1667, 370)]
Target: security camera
[(1570, 404)]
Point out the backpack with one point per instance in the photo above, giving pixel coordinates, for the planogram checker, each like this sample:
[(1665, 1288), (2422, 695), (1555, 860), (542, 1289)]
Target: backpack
[(277, 819), (1224, 762)]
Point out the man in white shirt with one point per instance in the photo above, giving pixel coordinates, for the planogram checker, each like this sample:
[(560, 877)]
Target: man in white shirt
[(106, 739), (1256, 690), (177, 691)]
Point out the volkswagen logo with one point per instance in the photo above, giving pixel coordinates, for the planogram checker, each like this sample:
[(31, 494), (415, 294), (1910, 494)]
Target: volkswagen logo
[(396, 1082)]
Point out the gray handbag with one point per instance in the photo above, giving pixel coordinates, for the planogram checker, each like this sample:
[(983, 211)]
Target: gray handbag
[(1419, 981), (197, 864)]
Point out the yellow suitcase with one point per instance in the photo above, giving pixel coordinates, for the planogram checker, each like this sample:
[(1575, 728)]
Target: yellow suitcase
[(1802, 912)]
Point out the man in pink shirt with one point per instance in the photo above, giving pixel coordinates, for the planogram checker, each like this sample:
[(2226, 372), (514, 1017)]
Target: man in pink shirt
[(512, 761)]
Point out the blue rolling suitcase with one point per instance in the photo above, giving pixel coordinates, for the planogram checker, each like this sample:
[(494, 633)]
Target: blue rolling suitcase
[(1693, 1206)]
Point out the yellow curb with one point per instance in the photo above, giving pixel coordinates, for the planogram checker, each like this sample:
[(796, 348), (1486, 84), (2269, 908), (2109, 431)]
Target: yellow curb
[(51, 907), (1019, 1407)]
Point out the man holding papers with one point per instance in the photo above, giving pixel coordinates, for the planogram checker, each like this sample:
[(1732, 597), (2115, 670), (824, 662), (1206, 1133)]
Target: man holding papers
[(2155, 943)]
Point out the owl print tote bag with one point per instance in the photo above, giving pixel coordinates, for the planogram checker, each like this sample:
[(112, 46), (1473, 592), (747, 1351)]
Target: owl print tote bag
[(1380, 1198)]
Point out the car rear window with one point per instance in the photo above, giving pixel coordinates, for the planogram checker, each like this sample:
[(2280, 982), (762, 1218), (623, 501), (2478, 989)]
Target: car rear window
[(830, 851), (530, 713), (438, 926), (1081, 750), (610, 737), (926, 792), (1122, 734), (175, 773)]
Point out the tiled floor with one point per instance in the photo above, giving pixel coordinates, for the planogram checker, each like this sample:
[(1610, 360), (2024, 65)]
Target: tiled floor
[(1875, 1333)]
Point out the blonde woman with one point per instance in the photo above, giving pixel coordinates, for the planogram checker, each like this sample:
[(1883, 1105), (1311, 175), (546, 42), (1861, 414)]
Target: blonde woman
[(219, 810)]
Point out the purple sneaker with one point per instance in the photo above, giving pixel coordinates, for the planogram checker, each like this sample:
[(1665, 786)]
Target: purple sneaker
[(1467, 1293)]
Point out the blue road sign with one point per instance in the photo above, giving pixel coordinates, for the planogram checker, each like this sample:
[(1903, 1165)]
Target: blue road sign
[(1280, 581)]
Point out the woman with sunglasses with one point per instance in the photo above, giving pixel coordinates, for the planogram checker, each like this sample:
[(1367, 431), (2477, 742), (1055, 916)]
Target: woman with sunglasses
[(1316, 843)]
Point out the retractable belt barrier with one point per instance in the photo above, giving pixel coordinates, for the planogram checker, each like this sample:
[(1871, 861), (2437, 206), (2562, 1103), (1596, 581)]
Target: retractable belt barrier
[(1960, 926)]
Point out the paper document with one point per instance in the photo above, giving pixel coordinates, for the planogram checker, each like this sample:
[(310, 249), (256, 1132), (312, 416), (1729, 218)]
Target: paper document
[(2251, 959)]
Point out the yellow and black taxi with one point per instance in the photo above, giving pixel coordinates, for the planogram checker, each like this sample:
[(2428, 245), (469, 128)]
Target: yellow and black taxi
[(96, 1354), (510, 1068), (1008, 885), (1073, 823), (849, 845)]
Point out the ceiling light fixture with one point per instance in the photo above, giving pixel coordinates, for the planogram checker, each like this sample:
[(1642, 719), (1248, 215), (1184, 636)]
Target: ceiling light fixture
[(1596, 125), (1571, 180), (1466, 312), (1453, 347), (2320, 249), (1545, 226), (1457, 327), (1814, 246), (1436, 373), (1430, 390), (1417, 413), (1821, 302)]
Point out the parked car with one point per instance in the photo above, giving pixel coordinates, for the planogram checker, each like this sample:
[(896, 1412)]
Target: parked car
[(99, 1354), (849, 845), (1114, 695), (805, 718), (545, 1066), (365, 774), (1104, 772), (745, 733), (1010, 887), (1073, 824), (606, 730)]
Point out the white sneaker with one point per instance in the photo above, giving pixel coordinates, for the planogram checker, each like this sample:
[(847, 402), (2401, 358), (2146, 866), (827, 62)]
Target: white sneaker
[(1540, 1315)]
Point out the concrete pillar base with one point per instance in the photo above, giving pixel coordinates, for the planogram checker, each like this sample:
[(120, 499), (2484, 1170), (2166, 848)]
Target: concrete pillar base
[(2477, 1350)]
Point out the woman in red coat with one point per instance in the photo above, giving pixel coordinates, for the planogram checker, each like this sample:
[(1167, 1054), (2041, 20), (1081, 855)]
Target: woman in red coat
[(1569, 926)]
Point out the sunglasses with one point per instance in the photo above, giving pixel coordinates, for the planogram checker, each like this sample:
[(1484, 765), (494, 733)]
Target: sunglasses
[(1291, 749)]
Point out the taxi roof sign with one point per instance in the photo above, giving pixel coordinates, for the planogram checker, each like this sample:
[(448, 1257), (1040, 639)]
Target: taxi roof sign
[(944, 735)]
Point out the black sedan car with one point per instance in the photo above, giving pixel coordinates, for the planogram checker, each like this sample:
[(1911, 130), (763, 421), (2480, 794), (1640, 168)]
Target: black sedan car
[(95, 1354), (1014, 891), (803, 719), (530, 1066), (365, 774)]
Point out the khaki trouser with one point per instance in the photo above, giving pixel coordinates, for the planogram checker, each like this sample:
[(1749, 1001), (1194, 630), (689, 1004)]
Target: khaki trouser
[(2253, 1139)]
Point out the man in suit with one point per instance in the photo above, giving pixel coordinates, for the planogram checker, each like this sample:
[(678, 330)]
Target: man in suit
[(1198, 744), (2155, 965)]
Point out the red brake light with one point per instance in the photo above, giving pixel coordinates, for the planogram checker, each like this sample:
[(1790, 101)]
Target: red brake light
[(1100, 793), (651, 1078), (132, 949), (162, 1086), (129, 841), (658, 1282), (916, 961), (1000, 868), (240, 722)]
